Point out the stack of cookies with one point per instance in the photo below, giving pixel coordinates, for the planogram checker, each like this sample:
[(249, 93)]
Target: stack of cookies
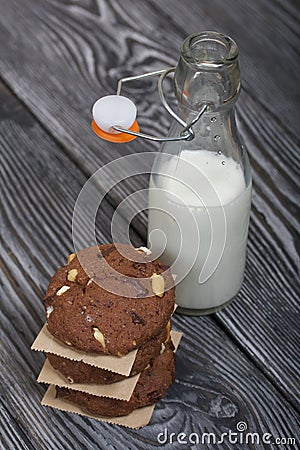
[(115, 301)]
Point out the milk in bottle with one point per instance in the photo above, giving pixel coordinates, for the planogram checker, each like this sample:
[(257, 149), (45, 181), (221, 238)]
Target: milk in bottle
[(200, 190)]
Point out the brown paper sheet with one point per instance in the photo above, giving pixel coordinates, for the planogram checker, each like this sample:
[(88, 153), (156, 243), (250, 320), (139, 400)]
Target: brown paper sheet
[(137, 419), (121, 390), (176, 338), (45, 342)]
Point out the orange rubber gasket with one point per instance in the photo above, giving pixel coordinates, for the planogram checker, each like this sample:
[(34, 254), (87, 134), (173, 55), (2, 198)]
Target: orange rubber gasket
[(119, 137)]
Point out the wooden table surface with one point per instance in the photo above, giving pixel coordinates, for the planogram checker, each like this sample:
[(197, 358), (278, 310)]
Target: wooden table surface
[(56, 58)]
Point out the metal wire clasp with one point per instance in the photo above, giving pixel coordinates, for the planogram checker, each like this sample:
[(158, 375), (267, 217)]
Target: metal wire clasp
[(187, 132)]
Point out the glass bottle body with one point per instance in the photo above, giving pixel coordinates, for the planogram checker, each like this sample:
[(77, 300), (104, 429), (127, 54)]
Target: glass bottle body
[(199, 206)]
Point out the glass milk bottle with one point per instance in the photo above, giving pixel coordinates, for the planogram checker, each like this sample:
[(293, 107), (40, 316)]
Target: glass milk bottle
[(200, 190)]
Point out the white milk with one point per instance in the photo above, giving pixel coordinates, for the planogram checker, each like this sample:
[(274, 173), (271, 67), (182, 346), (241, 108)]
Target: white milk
[(221, 215)]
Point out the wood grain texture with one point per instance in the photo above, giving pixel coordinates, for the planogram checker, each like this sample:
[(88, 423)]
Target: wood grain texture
[(265, 317), (71, 56), (267, 33), (58, 57)]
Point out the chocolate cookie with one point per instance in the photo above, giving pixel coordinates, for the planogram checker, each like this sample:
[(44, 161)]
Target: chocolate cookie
[(151, 387), (106, 302), (79, 372)]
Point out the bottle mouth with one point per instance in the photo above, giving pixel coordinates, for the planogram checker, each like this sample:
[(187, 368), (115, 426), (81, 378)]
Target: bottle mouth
[(209, 49)]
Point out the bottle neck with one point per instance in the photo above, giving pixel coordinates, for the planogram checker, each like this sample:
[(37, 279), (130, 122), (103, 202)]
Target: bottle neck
[(207, 72), (216, 131)]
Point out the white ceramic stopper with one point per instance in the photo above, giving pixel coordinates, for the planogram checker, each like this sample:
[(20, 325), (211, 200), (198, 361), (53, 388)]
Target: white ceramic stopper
[(114, 110)]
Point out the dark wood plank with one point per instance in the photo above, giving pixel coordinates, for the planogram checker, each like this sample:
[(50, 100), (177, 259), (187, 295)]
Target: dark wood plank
[(267, 34), (216, 385), (265, 317), (78, 46), (80, 59)]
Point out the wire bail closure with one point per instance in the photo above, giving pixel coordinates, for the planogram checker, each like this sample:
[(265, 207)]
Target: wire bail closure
[(187, 132)]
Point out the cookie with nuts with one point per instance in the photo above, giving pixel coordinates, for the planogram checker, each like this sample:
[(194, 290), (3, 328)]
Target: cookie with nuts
[(109, 299), (79, 372), (150, 388)]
